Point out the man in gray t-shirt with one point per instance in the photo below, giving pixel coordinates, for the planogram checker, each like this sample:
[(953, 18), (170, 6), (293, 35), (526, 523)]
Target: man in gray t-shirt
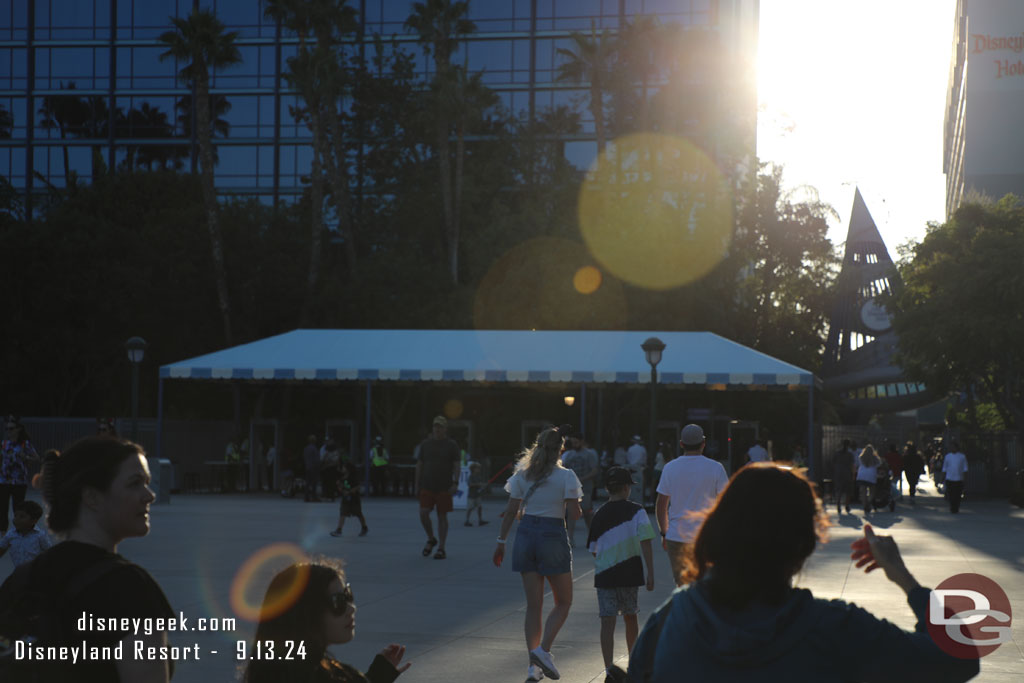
[(437, 480)]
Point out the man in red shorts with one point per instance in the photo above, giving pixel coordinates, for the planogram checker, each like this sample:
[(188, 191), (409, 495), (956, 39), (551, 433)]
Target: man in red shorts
[(437, 479)]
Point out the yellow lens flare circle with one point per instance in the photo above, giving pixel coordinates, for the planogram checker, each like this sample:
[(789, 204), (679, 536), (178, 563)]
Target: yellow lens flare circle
[(453, 408), (249, 584), (655, 211), (548, 283), (587, 280)]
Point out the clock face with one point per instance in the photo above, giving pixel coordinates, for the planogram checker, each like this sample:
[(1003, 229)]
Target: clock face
[(874, 317)]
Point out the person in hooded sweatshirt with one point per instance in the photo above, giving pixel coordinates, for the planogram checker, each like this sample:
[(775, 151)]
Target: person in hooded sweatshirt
[(740, 618)]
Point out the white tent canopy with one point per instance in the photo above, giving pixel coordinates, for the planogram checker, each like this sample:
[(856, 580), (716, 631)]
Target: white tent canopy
[(692, 358)]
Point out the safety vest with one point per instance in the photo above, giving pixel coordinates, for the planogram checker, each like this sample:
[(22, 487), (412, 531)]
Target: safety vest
[(380, 456), (463, 456)]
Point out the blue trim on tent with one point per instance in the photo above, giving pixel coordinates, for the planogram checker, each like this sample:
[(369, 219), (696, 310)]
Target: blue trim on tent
[(579, 357)]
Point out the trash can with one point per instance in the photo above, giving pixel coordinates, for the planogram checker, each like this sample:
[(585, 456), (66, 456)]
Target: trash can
[(161, 479)]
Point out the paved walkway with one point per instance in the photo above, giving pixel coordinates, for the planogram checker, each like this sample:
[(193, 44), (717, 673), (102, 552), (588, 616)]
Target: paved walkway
[(462, 618)]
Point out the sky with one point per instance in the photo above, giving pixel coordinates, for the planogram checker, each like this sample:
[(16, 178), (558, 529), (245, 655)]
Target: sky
[(852, 94)]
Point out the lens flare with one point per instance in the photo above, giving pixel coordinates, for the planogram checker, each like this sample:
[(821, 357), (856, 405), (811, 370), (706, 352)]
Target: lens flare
[(548, 284), (248, 586), (587, 280), (655, 211), (453, 408)]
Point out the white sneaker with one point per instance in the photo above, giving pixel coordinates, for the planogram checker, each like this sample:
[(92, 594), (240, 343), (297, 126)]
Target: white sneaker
[(534, 673), (545, 661)]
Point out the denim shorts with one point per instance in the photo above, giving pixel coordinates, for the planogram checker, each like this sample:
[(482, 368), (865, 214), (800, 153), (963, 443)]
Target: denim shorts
[(541, 546)]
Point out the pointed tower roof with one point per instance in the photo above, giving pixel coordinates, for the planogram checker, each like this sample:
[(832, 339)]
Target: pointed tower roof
[(862, 226)]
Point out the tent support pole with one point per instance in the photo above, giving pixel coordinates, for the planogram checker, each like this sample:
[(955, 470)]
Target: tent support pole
[(159, 417), (810, 432), (366, 438), (583, 408)]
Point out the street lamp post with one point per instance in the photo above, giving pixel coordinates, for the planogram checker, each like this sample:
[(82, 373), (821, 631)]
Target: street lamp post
[(653, 347), (136, 348)]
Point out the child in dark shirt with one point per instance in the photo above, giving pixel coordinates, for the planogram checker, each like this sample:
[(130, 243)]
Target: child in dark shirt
[(351, 501), (477, 484), (620, 534)]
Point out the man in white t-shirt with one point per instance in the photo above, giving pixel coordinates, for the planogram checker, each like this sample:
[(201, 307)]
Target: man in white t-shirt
[(954, 466), (757, 453), (636, 462), (690, 482)]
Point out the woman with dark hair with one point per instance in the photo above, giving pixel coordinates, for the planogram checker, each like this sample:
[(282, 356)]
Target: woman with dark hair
[(308, 607), (98, 494), (541, 491), (16, 452), (742, 620)]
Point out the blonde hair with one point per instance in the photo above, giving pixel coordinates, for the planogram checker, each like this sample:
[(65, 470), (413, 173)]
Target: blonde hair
[(543, 456)]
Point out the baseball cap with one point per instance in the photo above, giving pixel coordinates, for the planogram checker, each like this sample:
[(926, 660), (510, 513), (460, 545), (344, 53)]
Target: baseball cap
[(637, 438), (692, 435), (440, 420), (617, 476)]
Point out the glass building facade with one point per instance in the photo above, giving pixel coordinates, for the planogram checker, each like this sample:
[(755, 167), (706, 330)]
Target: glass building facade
[(85, 88)]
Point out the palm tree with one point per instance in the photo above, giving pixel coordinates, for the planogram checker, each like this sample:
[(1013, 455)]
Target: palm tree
[(639, 51), (201, 42), (441, 24), (326, 21), (463, 98), (591, 61), (149, 122), (66, 114), (304, 74), (219, 126)]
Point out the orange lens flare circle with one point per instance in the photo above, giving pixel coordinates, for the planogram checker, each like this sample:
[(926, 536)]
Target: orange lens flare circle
[(548, 283), (453, 408), (655, 211), (247, 598), (587, 280)]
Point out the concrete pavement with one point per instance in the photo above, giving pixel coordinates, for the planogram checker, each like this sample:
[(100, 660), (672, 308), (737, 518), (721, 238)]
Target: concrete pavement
[(462, 618)]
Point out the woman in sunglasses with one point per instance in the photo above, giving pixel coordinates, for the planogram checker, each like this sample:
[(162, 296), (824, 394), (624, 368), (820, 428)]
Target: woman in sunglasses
[(308, 607), (16, 452)]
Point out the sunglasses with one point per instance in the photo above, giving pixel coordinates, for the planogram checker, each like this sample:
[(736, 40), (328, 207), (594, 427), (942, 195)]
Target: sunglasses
[(338, 602)]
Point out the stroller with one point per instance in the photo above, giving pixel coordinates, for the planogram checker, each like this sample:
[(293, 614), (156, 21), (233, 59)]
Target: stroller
[(885, 491), (292, 485)]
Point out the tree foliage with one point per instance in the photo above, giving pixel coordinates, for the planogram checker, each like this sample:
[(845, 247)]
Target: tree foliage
[(957, 310), (452, 212)]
